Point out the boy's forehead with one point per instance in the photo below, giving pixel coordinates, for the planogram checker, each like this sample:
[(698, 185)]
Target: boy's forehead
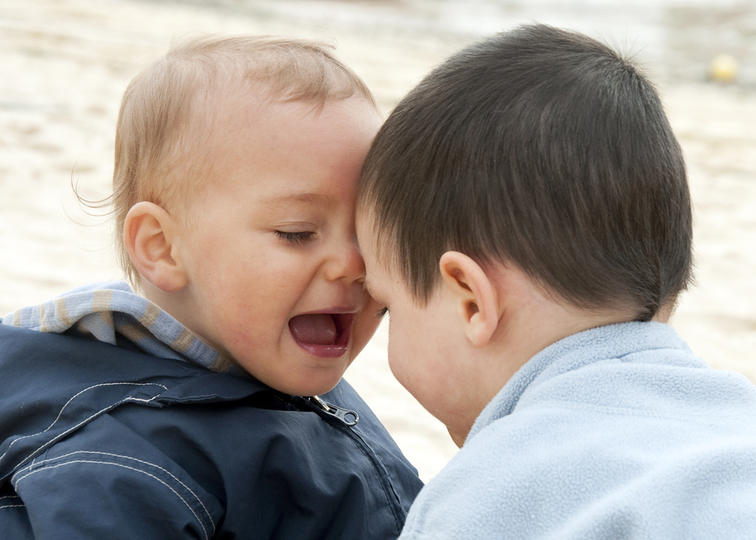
[(369, 241), (365, 226)]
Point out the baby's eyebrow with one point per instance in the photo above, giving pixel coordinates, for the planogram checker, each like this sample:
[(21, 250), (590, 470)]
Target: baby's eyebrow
[(304, 197)]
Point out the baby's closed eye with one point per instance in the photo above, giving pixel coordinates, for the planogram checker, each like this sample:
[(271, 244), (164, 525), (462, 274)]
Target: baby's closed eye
[(295, 237)]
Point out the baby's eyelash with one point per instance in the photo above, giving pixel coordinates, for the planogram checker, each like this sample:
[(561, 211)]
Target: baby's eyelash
[(299, 237), (382, 312)]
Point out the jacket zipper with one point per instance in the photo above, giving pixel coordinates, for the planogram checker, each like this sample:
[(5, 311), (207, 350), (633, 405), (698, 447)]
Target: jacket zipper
[(346, 416), (349, 418)]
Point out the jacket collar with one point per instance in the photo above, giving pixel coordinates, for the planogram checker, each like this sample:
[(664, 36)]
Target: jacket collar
[(574, 352)]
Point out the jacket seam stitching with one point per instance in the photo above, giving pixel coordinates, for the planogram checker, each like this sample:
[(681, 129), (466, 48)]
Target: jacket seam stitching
[(16, 481), (10, 505), (44, 445), (112, 454)]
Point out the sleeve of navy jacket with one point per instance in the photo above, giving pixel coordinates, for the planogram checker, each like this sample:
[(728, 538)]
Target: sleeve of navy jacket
[(97, 441)]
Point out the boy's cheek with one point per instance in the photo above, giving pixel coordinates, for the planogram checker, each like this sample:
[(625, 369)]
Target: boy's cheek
[(365, 324)]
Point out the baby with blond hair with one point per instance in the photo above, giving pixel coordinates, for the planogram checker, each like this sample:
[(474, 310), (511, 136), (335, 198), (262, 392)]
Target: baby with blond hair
[(207, 401)]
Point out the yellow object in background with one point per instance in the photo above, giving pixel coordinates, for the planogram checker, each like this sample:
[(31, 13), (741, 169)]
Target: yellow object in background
[(723, 68)]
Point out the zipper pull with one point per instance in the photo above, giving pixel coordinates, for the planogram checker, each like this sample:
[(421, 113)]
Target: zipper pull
[(347, 416)]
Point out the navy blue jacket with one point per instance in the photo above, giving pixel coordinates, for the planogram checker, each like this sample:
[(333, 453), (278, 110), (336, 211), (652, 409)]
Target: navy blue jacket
[(101, 442)]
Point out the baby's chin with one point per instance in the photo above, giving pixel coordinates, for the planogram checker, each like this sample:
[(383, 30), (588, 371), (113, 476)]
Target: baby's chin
[(312, 386), (303, 377)]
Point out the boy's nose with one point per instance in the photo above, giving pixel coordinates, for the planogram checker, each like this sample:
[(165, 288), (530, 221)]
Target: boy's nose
[(346, 264)]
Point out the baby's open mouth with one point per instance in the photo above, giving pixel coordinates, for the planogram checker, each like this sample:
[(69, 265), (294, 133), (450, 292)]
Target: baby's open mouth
[(322, 334)]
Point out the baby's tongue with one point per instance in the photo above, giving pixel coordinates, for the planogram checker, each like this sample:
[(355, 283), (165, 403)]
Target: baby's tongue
[(318, 329)]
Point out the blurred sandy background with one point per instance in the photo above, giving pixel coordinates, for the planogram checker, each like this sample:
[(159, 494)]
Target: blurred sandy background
[(65, 63)]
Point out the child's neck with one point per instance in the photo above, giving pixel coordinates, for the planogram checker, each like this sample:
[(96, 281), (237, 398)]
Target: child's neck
[(531, 322), (173, 303)]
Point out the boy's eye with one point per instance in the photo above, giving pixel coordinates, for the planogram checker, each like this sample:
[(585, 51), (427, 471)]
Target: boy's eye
[(298, 237), (382, 312)]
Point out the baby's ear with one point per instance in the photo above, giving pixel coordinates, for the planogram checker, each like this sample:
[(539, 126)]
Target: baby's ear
[(476, 296), (149, 237)]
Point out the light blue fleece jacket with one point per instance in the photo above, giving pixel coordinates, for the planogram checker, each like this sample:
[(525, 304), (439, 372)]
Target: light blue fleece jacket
[(616, 432)]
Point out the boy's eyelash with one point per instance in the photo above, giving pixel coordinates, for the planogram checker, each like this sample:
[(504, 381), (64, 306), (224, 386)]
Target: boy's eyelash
[(382, 312), (299, 237)]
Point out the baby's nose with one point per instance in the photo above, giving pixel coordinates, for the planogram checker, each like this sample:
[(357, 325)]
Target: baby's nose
[(346, 264)]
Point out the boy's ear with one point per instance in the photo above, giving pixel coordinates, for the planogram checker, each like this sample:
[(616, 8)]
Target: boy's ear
[(149, 235), (476, 296)]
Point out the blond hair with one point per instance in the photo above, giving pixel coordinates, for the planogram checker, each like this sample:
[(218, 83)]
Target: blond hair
[(154, 155)]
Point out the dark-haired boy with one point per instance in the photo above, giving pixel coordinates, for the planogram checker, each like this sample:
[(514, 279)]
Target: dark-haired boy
[(524, 214)]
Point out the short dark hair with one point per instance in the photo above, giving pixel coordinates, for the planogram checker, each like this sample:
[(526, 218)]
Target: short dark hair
[(543, 148)]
